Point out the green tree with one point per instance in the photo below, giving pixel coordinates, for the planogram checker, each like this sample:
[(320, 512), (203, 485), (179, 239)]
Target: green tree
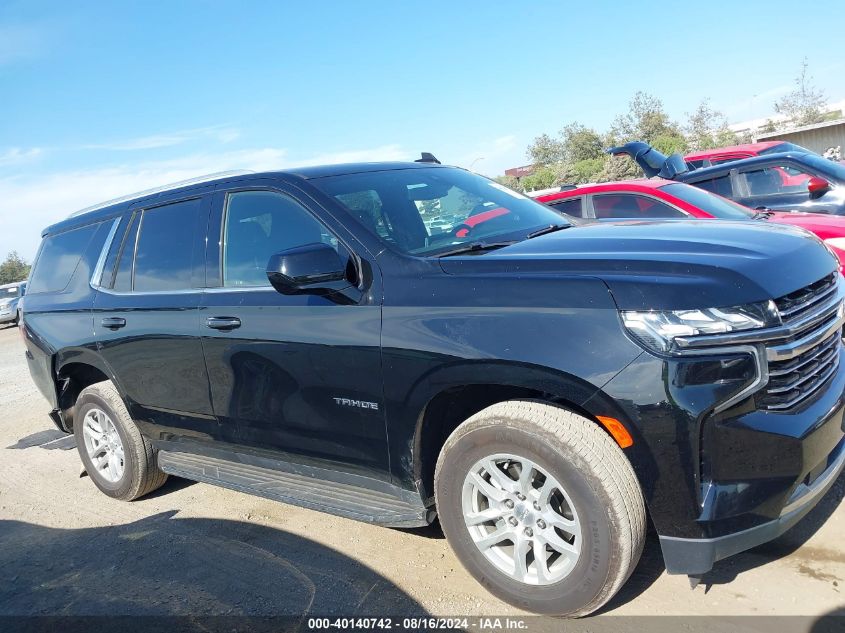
[(14, 268), (542, 178), (806, 104), (646, 120), (545, 150), (509, 181), (581, 171), (580, 143), (707, 128)]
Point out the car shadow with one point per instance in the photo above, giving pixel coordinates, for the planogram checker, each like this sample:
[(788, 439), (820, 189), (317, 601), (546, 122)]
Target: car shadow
[(833, 622), (40, 438), (651, 565), (166, 566)]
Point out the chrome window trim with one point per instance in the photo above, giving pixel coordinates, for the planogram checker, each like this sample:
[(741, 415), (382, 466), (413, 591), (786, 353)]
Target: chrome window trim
[(129, 293), (219, 289), (97, 275)]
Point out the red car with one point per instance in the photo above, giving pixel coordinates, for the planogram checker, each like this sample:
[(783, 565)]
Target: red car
[(667, 199), (709, 157)]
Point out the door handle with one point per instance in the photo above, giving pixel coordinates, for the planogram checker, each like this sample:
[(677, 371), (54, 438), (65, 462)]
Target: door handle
[(223, 323), (113, 323)]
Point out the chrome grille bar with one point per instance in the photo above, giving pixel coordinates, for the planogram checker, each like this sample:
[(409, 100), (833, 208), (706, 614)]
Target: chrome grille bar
[(806, 390), (801, 367), (786, 315)]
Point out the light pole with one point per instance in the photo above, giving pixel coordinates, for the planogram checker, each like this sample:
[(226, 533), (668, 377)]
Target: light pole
[(475, 161)]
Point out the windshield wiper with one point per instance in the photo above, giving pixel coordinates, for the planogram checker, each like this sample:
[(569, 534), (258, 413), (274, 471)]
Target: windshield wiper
[(547, 229), (474, 247)]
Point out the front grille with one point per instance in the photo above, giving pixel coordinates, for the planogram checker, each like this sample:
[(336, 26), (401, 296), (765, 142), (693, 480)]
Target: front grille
[(800, 302), (794, 380), (798, 369)]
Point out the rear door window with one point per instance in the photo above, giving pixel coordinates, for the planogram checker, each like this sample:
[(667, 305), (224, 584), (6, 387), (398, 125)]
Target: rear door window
[(720, 185), (570, 206), (59, 258), (164, 251), (629, 206)]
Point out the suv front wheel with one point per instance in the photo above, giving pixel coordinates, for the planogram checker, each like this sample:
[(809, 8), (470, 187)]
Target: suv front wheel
[(120, 461), (541, 506)]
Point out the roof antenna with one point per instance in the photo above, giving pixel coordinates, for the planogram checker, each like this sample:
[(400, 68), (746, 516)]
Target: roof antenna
[(427, 157)]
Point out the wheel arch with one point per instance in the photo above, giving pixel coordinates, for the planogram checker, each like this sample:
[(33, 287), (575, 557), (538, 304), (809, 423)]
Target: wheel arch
[(74, 370), (462, 391)]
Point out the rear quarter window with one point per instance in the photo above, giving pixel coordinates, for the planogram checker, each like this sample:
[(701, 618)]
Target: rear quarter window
[(59, 258), (570, 206)]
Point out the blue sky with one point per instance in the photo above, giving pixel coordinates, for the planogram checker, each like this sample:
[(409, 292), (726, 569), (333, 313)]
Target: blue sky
[(104, 98)]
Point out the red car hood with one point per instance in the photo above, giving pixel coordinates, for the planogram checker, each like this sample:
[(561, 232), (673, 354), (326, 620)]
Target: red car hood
[(825, 226), (830, 228)]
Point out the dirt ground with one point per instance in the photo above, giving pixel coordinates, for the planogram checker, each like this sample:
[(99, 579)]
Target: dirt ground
[(193, 549)]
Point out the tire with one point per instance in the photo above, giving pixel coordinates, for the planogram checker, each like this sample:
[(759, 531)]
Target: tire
[(599, 497), (140, 473)]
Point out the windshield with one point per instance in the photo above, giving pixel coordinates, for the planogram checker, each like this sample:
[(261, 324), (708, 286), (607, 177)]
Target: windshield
[(10, 292), (717, 206), (426, 211)]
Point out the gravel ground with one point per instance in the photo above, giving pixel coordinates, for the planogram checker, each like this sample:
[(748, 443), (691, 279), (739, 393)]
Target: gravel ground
[(193, 549)]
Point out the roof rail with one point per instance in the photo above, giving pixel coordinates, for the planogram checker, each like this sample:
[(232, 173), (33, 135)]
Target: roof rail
[(163, 188)]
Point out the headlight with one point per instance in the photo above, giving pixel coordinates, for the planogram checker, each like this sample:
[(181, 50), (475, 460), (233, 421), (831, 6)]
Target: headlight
[(657, 330)]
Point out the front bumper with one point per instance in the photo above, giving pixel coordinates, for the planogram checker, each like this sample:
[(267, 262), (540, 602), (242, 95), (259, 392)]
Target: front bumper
[(697, 556), (7, 315)]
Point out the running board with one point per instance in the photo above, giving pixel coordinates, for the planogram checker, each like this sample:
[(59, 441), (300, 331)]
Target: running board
[(350, 496)]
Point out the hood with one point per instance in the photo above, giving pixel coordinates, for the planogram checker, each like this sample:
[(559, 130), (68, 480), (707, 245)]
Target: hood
[(823, 225), (667, 265)]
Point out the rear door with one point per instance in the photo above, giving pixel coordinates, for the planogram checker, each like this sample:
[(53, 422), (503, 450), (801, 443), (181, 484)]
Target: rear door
[(296, 375), (146, 317)]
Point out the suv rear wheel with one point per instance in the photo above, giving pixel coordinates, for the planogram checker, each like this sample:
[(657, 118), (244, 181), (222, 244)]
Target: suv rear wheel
[(119, 460), (541, 506)]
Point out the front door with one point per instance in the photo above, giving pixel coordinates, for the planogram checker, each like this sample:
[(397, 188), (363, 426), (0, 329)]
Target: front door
[(297, 375), (781, 186)]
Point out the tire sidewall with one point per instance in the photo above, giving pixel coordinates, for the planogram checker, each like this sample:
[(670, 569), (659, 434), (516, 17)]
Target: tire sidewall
[(587, 580), (121, 487)]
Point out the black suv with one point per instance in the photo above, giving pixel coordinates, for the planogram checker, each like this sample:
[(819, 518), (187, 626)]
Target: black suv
[(322, 337)]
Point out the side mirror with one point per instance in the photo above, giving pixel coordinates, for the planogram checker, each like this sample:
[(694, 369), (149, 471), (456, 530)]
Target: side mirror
[(309, 269), (817, 186)]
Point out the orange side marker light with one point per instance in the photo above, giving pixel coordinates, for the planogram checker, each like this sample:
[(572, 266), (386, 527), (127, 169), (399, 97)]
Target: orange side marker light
[(617, 430)]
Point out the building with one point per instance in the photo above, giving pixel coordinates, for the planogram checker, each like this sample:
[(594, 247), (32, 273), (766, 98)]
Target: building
[(818, 137), (520, 172)]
